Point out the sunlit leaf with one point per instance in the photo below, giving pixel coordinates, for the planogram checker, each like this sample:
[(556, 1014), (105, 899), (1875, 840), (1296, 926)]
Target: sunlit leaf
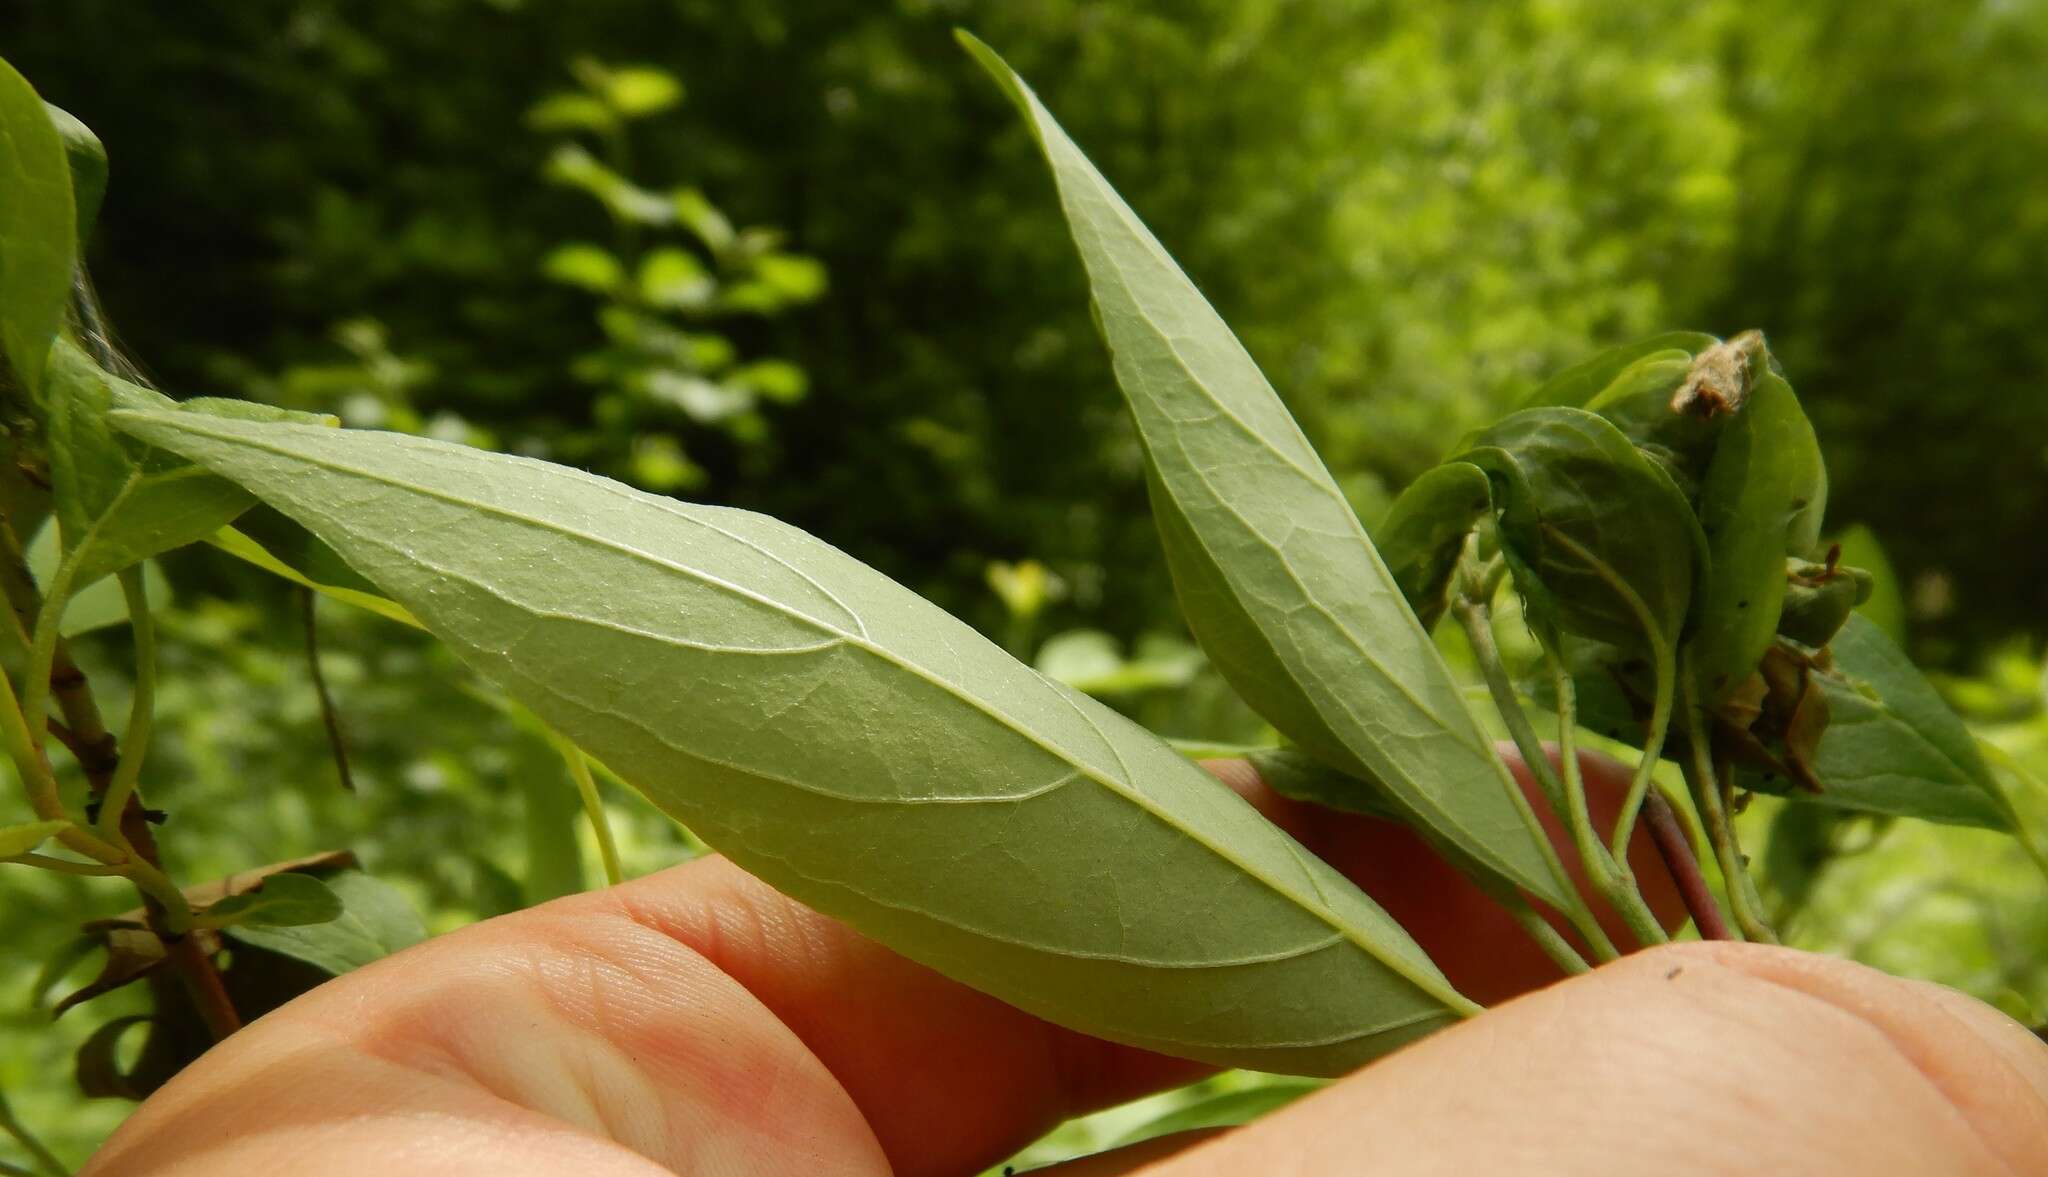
[(861, 749), (1274, 572)]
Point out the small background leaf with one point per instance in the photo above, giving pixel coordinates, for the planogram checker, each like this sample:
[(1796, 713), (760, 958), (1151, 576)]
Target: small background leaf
[(281, 901), (1892, 745), (375, 921)]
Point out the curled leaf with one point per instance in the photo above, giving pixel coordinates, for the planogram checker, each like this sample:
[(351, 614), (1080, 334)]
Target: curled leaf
[(1601, 542), (87, 159), (1762, 501), (1573, 387), (1424, 533)]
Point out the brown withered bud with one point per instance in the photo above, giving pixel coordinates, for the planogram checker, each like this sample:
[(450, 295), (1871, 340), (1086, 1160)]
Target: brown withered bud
[(1720, 377)]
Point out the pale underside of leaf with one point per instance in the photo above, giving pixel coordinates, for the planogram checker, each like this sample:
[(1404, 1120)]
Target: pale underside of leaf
[(1277, 576), (861, 749)]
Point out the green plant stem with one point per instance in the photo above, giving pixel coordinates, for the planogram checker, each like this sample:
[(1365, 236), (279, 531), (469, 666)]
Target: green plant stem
[(65, 866), (1705, 783), (1476, 619), (1611, 875), (141, 710), (37, 682), (41, 783), (1653, 750), (330, 715), (47, 1163), (593, 808), (169, 914), (1531, 921)]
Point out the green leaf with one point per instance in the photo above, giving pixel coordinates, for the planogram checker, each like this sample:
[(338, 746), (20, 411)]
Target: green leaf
[(586, 266), (375, 921), (97, 605), (1277, 578), (1600, 540), (240, 546), (1301, 777), (1229, 1109), (120, 502), (1886, 605), (568, 111), (1425, 531), (1891, 744), (282, 900), (1638, 402), (23, 838), (87, 158), (860, 749), (1575, 386), (637, 91), (38, 228), (1764, 495), (1092, 662)]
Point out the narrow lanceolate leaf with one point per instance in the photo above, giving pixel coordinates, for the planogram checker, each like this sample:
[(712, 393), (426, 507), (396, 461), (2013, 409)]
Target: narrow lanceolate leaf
[(1892, 745), (375, 921), (860, 749), (1276, 576), (38, 228)]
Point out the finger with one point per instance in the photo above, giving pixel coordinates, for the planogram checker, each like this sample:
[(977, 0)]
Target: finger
[(650, 1014), (1687, 1061)]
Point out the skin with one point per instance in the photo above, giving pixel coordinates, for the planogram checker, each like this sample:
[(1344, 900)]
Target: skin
[(696, 1021)]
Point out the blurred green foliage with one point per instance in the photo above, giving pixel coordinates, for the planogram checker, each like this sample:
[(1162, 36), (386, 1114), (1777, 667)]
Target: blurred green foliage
[(1410, 212)]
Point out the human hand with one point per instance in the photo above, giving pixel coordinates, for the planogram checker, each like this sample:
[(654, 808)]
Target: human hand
[(696, 1021)]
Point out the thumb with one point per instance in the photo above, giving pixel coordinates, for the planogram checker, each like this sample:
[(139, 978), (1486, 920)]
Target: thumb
[(1688, 1061)]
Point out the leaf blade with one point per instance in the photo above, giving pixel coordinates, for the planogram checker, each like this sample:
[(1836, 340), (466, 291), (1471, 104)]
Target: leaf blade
[(1275, 573), (795, 707), (38, 228)]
